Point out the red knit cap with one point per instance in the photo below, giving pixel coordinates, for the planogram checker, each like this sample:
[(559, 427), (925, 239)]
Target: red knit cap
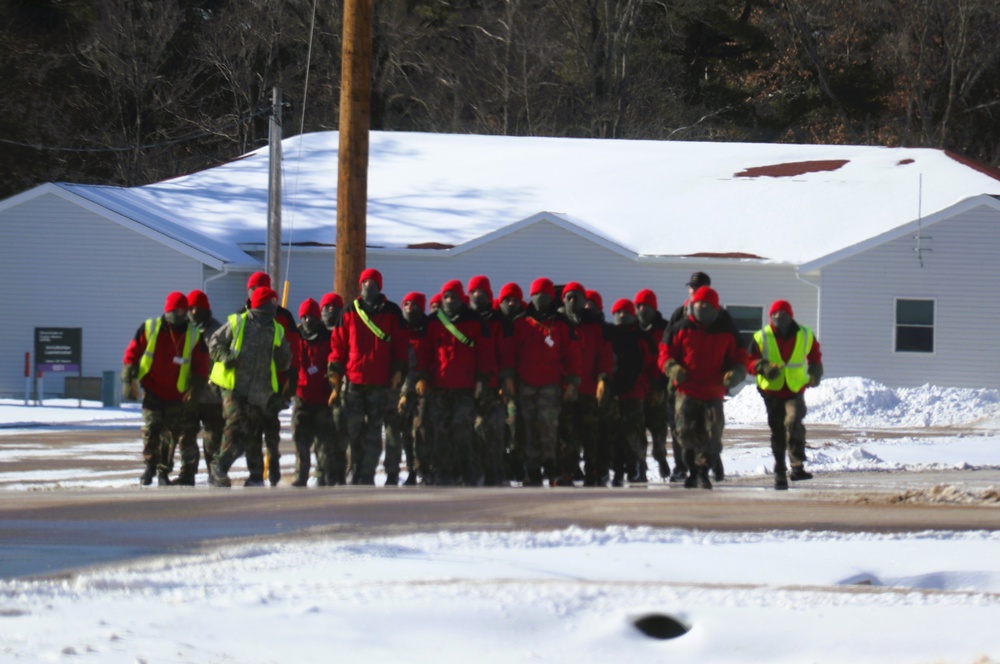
[(625, 305), (511, 289), (574, 286), (197, 298), (309, 307), (436, 299), (371, 273), (543, 285), (418, 299), (332, 300), (261, 296), (455, 286), (647, 297), (175, 300), (481, 282), (596, 298), (706, 294), (781, 305), (259, 279)]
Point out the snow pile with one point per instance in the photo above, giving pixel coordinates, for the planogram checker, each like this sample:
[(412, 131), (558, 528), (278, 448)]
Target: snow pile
[(860, 402)]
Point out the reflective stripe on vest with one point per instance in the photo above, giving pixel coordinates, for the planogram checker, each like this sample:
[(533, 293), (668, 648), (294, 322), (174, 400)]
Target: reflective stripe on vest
[(371, 325), (795, 372), (226, 377), (455, 332), (152, 334)]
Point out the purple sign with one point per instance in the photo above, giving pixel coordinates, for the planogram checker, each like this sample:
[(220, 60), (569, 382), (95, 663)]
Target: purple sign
[(58, 349)]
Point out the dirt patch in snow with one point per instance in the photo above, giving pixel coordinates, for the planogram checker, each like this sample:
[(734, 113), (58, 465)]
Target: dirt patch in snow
[(939, 493)]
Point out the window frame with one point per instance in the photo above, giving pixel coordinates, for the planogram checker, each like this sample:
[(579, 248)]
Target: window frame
[(896, 324), (760, 326)]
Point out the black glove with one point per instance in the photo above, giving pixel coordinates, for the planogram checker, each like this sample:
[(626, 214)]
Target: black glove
[(767, 369), (232, 361), (734, 376), (815, 374)]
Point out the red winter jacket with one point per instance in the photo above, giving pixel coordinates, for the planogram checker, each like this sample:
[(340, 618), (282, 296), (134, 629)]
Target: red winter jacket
[(313, 385), (596, 355), (502, 338), (357, 353), (161, 381), (785, 346), (635, 365), (448, 362), (706, 353), (545, 349)]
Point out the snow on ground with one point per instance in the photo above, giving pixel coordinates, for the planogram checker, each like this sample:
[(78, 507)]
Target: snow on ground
[(569, 595)]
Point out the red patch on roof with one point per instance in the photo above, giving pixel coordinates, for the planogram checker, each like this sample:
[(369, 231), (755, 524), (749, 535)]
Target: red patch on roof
[(430, 245), (792, 168), (975, 165), (904, 162), (732, 254)]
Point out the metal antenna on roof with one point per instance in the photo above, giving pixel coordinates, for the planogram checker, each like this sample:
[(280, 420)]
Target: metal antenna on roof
[(920, 214)]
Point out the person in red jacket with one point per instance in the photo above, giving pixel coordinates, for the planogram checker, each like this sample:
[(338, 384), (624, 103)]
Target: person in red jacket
[(492, 409), (168, 357), (369, 349), (786, 359), (701, 358), (635, 371), (547, 366), (456, 359), (579, 421), (270, 428), (312, 419)]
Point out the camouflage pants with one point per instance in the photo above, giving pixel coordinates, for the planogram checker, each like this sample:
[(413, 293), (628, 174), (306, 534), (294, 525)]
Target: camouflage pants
[(268, 435), (364, 415), (453, 417), (699, 428), (656, 422), (407, 431), (209, 420), (540, 407), (629, 437), (166, 425), (788, 433), (675, 443), (579, 429), (312, 430), (395, 435), (489, 426), (243, 426)]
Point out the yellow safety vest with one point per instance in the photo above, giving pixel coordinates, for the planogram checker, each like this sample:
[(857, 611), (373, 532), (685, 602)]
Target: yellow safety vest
[(152, 334), (226, 377), (795, 373)]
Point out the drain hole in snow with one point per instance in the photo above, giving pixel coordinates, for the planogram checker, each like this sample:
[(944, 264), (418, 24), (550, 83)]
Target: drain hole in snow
[(660, 626)]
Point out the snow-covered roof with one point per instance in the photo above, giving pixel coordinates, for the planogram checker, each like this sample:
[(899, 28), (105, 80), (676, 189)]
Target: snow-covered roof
[(784, 203)]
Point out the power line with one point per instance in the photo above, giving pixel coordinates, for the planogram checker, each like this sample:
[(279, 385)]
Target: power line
[(149, 146)]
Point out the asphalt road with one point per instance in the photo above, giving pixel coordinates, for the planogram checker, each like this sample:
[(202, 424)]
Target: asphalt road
[(50, 530)]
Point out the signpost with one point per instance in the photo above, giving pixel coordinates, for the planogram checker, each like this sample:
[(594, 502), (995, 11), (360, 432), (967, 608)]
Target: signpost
[(58, 350)]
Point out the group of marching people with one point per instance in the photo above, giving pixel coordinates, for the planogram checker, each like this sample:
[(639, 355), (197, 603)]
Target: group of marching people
[(471, 388)]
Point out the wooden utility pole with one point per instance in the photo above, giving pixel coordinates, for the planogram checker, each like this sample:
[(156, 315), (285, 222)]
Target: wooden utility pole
[(355, 122), (272, 252)]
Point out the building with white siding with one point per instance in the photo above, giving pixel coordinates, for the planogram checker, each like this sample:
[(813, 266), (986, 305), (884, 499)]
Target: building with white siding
[(890, 253)]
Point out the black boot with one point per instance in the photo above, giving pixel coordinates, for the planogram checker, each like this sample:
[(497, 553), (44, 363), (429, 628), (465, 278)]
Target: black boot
[(703, 482), (273, 469), (664, 469), (147, 476), (392, 480), (301, 480), (186, 476), (217, 476), (799, 473), (163, 477), (780, 482), (678, 476)]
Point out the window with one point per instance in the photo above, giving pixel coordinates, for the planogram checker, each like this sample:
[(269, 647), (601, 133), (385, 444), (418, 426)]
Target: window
[(914, 326), (748, 320)]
